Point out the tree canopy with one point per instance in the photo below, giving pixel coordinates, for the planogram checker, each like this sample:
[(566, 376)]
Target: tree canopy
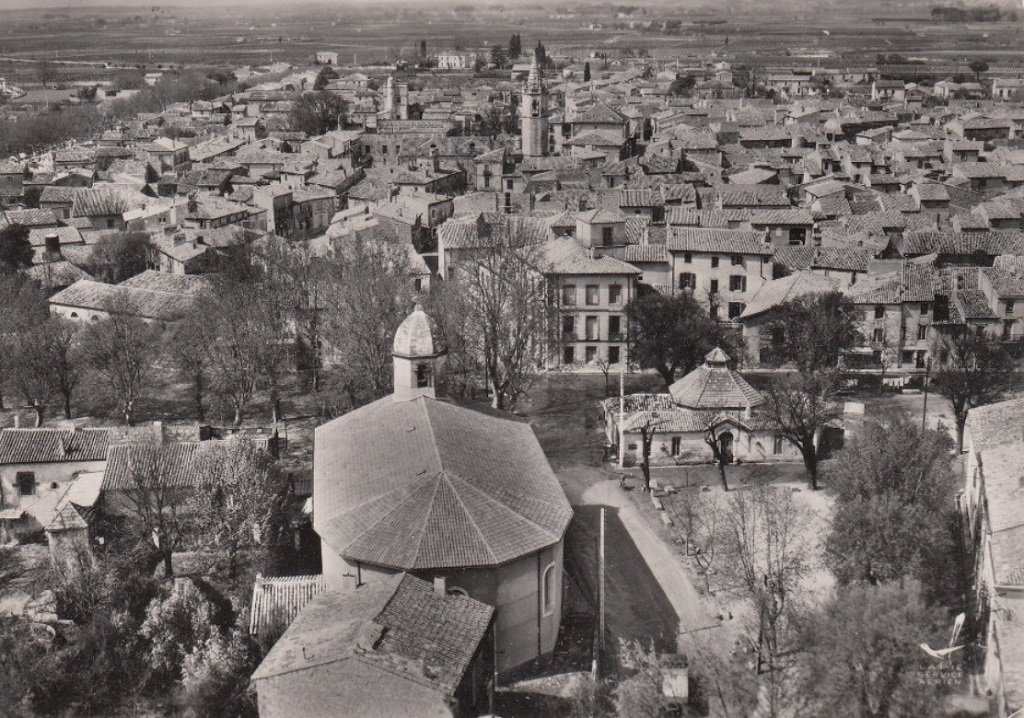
[(862, 654), (672, 334), (15, 249), (810, 331), (318, 112), (973, 369), (894, 488)]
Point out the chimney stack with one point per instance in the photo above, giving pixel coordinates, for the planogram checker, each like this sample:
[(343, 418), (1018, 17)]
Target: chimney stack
[(440, 586)]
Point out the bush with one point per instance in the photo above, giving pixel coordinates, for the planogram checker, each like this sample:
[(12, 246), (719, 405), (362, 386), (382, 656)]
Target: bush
[(215, 677)]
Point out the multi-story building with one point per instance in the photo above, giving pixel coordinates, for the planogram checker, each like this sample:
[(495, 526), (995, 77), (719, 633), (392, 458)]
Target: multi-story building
[(720, 266), (592, 293)]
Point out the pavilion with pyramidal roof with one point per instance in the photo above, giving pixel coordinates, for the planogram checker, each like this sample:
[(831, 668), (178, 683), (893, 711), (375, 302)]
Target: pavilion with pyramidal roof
[(713, 397)]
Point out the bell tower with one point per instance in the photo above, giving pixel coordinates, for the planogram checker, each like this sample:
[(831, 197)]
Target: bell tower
[(418, 353), (533, 113)]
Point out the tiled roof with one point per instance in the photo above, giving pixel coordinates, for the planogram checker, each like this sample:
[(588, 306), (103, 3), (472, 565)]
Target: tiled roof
[(781, 217), (991, 243), (30, 217), (567, 257), (67, 519), (713, 385), (37, 446), (1006, 282), (171, 465), (846, 259), (146, 303), (166, 282), (646, 253), (996, 424), (972, 304), (726, 241), (99, 202), (773, 293), (442, 631), (66, 235), (389, 647), (757, 195), (687, 217), (276, 601), (878, 289), (469, 488), (55, 275)]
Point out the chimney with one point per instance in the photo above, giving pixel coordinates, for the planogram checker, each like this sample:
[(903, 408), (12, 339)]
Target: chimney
[(440, 586), (435, 159), (158, 431), (17, 420), (52, 244)]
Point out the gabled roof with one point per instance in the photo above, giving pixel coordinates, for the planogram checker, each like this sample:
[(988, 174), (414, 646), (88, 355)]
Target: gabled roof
[(566, 256), (38, 446), (777, 291), (726, 241), (468, 488), (390, 647)]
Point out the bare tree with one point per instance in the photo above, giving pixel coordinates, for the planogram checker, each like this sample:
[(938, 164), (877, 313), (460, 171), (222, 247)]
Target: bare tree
[(43, 361), (122, 349), (647, 432), (714, 442), (234, 370), (24, 307), (973, 369), (30, 372), (761, 536), (64, 351), (46, 71), (239, 501), (190, 345), (155, 497), (703, 529), (800, 406), (501, 291), (368, 292)]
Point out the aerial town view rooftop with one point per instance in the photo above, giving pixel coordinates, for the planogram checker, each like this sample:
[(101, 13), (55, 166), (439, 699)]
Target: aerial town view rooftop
[(415, 359)]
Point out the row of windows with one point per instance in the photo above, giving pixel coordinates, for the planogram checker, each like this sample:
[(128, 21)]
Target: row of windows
[(592, 327), (590, 355), (591, 294), (677, 445), (737, 282), (735, 259)]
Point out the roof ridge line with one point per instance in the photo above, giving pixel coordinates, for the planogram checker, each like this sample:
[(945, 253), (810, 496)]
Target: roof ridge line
[(492, 500), (423, 525), (469, 515)]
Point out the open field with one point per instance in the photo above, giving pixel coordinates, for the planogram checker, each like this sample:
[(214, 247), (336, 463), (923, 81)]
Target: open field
[(293, 33)]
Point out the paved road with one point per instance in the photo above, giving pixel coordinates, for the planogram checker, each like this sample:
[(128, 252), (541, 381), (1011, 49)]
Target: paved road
[(649, 595)]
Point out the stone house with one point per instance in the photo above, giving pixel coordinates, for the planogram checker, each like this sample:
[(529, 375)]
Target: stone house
[(36, 468)]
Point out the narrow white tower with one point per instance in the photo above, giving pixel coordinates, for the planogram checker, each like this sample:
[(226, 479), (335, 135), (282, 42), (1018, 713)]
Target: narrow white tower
[(533, 114)]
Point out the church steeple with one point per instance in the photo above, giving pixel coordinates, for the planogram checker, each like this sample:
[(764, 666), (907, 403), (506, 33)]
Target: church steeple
[(533, 113), (418, 352)]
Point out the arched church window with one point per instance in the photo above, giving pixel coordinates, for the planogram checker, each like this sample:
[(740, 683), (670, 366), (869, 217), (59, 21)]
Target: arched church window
[(548, 590), (422, 376)]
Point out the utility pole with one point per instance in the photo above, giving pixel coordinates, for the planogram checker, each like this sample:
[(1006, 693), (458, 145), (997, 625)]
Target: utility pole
[(924, 409)]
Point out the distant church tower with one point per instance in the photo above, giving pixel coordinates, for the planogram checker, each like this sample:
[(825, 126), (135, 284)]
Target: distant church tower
[(533, 114), (418, 353), (396, 100)]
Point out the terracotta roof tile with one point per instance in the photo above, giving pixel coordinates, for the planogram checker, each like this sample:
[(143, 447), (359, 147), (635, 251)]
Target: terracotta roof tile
[(32, 446)]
